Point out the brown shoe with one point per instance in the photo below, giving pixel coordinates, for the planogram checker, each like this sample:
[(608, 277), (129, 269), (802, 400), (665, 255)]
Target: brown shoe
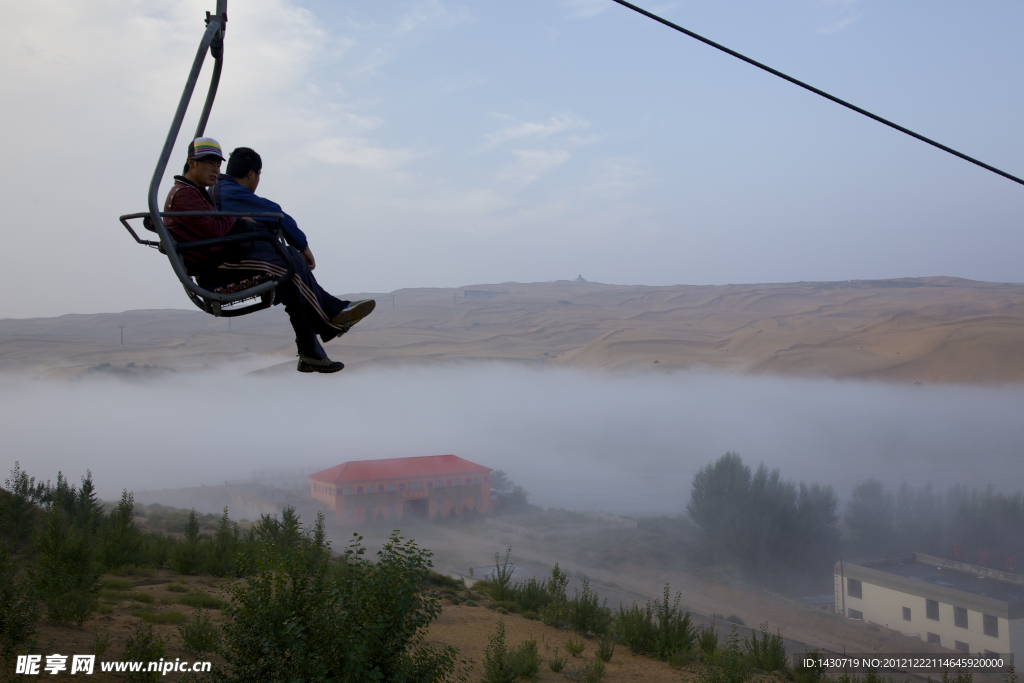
[(354, 312)]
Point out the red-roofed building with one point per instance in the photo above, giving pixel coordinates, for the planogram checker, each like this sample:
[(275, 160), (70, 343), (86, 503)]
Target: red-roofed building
[(427, 486)]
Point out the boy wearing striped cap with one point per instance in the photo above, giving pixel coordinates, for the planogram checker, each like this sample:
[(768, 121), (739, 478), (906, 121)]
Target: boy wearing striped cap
[(310, 308)]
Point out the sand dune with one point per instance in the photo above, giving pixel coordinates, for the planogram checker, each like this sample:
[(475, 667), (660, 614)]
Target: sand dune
[(929, 330)]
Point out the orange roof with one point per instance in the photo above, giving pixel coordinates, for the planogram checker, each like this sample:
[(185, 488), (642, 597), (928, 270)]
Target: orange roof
[(398, 468)]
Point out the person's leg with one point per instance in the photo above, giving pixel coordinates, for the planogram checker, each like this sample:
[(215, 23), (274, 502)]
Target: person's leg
[(306, 310)]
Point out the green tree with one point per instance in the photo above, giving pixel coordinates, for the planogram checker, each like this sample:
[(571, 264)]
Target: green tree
[(64, 571), (120, 540), (871, 517)]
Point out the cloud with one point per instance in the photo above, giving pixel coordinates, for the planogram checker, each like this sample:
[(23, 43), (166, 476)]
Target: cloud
[(432, 13), (559, 123), (533, 163), (587, 8), (837, 26), (359, 152)]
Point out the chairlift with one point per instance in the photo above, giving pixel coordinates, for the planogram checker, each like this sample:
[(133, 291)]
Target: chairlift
[(222, 301)]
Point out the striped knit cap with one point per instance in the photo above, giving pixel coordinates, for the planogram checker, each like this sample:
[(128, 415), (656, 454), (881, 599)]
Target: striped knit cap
[(204, 147)]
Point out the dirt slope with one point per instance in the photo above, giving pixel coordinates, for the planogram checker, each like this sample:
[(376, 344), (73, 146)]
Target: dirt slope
[(929, 330)]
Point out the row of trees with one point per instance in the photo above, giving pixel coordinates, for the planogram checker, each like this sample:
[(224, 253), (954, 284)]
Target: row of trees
[(303, 612), (786, 534)]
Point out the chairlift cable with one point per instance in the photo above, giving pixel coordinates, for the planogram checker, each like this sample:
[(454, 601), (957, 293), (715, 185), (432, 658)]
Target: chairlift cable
[(816, 91)]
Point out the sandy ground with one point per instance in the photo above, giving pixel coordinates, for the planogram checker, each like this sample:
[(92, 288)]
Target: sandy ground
[(929, 330)]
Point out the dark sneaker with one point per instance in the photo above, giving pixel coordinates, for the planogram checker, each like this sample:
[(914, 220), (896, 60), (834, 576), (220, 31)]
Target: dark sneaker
[(325, 365), (354, 312)]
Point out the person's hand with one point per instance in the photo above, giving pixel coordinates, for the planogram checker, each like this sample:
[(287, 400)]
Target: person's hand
[(308, 255)]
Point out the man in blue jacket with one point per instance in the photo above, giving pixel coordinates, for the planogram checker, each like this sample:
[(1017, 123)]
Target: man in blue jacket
[(312, 310)]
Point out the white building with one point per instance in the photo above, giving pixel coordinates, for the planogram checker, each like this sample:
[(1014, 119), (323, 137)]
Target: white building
[(958, 606)]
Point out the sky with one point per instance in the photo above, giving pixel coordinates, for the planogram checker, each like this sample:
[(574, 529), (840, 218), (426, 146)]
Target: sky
[(622, 444), (433, 143)]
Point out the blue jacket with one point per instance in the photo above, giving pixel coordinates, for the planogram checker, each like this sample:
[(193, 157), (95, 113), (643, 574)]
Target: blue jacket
[(228, 195)]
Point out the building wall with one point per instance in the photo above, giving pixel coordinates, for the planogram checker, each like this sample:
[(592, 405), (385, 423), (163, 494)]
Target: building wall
[(351, 506), (884, 606)]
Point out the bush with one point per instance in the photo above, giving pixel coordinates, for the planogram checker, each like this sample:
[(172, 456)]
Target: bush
[(501, 578), (169, 617), (575, 646), (63, 572), (117, 584), (660, 629), (504, 665), (120, 542), (201, 600), (809, 674), (19, 610), (199, 636), (767, 654), (557, 663), (727, 665), (140, 596), (186, 556), (300, 616), (707, 639), (586, 614), (144, 646), (590, 673), (605, 649)]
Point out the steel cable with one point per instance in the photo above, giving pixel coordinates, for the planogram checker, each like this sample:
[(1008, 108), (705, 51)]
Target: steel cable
[(816, 91)]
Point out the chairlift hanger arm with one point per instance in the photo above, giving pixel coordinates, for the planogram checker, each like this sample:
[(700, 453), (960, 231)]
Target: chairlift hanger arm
[(816, 91)]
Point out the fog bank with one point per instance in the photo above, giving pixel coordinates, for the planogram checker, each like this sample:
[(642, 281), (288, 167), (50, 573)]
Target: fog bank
[(626, 444)]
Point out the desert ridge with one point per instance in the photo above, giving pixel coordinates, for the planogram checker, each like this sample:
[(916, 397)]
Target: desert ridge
[(928, 330)]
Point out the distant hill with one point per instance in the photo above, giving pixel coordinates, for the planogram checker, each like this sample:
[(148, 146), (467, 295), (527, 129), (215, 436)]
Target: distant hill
[(927, 330)]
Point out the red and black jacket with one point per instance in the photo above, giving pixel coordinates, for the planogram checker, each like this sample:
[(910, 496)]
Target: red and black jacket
[(187, 196)]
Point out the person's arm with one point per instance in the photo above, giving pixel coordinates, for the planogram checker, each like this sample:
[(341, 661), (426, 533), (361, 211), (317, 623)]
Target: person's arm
[(191, 228), (238, 199)]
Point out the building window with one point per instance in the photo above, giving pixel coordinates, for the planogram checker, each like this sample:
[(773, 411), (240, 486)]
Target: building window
[(391, 487), (856, 614), (853, 588), (380, 488), (991, 625), (476, 502), (960, 617), (439, 483), (348, 491), (931, 610), (415, 485), (401, 487), (359, 489), (430, 484), (961, 646), (458, 482), (934, 638), (467, 481), (906, 614), (476, 480)]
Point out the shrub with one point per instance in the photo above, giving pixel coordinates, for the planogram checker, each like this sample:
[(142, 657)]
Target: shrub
[(575, 646), (504, 665), (201, 600), (186, 556), (221, 553), (557, 663), (120, 540), (605, 649), (19, 609), (809, 674), (501, 578), (707, 639), (767, 653), (178, 587), (141, 596), (727, 665), (169, 617), (63, 572), (144, 646), (199, 636), (586, 614), (300, 616), (116, 584), (589, 673), (658, 629)]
